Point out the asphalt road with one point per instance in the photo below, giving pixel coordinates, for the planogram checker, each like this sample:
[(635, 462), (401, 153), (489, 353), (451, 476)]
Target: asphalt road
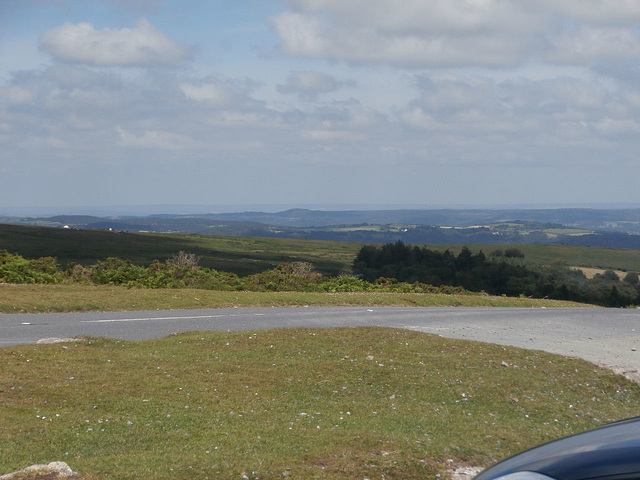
[(608, 337)]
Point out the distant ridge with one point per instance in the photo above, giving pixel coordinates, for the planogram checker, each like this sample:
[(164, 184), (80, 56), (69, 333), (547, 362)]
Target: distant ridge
[(618, 228), (622, 220), (199, 209)]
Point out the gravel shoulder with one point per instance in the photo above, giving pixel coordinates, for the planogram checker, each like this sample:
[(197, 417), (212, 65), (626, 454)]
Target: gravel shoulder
[(606, 337)]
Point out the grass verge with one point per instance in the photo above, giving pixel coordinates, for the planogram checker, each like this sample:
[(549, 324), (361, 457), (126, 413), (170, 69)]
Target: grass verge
[(292, 403), (24, 298)]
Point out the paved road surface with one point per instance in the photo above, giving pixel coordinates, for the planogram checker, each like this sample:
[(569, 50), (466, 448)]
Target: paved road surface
[(608, 337)]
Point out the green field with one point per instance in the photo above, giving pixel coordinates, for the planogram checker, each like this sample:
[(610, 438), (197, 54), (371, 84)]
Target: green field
[(293, 403)]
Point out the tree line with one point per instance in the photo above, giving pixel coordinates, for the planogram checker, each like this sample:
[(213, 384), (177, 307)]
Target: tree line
[(497, 275)]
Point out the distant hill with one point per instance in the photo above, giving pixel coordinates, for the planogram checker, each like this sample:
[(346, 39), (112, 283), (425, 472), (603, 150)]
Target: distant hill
[(621, 220), (618, 228)]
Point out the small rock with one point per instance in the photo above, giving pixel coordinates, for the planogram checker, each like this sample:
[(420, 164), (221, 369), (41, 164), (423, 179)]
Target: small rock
[(464, 473), (55, 340), (60, 469)]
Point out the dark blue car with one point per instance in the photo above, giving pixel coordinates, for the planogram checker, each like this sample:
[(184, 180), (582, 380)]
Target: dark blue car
[(610, 452)]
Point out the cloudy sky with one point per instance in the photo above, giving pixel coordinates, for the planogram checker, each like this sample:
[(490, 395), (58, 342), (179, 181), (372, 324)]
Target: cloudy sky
[(318, 102)]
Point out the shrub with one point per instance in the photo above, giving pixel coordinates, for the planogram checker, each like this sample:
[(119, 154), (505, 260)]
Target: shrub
[(114, 271), (513, 253), (286, 277), (183, 259), (16, 269), (347, 283), (78, 274)]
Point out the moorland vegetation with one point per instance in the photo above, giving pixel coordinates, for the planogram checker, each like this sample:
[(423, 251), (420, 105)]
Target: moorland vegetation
[(393, 267), (183, 271)]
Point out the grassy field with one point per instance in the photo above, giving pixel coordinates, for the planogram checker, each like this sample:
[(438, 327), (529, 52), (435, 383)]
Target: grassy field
[(295, 403), (80, 298), (247, 255)]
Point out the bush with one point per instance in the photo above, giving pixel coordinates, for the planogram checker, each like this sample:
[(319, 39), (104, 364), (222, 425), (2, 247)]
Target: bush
[(286, 277), (347, 283), (78, 274), (16, 269), (114, 271), (171, 274), (513, 253)]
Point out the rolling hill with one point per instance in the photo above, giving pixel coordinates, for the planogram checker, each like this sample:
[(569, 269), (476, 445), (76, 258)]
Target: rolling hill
[(585, 227)]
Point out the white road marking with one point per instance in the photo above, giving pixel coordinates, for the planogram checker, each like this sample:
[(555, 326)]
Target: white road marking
[(114, 320)]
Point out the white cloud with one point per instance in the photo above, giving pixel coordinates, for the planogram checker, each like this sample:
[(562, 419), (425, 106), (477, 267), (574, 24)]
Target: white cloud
[(453, 94), (333, 136), (15, 95), (617, 127), (235, 119), (155, 139), (632, 97), (206, 92), (519, 114), (217, 91), (416, 117), (307, 37), (49, 142), (433, 16), (411, 32), (142, 45), (574, 93), (310, 84), (598, 12), (568, 100), (301, 35), (348, 115), (450, 33), (590, 44)]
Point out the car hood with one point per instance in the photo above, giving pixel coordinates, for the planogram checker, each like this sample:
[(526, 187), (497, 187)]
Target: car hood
[(609, 451)]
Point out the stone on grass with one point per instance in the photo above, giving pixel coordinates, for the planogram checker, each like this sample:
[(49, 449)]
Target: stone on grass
[(55, 469)]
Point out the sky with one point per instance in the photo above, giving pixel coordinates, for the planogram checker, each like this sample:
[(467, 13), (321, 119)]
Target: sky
[(319, 102)]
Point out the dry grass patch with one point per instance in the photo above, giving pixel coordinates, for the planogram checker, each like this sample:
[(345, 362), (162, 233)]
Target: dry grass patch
[(591, 272)]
